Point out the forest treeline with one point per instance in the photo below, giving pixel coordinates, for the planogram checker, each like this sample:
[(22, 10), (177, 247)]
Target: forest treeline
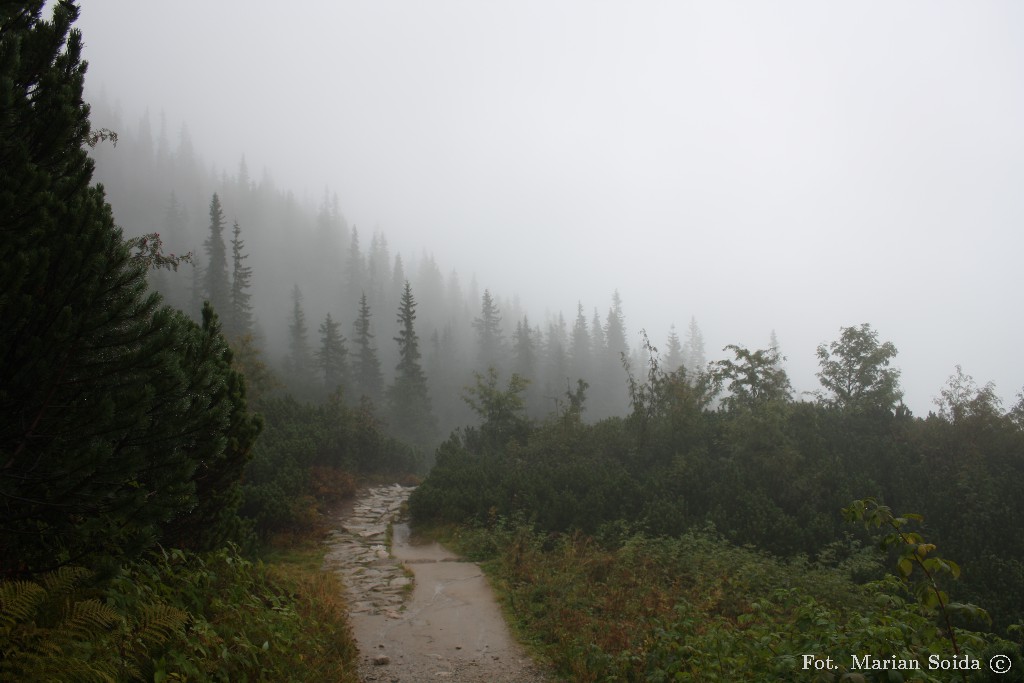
[(321, 297), (706, 535), (178, 395)]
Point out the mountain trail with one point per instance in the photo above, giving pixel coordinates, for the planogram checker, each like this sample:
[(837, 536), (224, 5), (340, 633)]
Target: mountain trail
[(419, 613)]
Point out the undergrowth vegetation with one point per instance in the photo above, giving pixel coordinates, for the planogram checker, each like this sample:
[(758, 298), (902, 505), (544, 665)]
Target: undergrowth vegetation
[(691, 541), (176, 616), (696, 608)]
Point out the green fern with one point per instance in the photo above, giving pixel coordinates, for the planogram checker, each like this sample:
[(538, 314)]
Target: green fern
[(158, 623), (50, 631), (19, 601), (65, 580), (87, 619)]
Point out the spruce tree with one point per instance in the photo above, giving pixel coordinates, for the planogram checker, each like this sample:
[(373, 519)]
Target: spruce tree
[(195, 291), (693, 350), (488, 330), (300, 360), (580, 347), (356, 266), (121, 422), (366, 374), (216, 277), (556, 371), (615, 333), (525, 349), (378, 267), (411, 414), (397, 278), (673, 351), (598, 346), (332, 356), (240, 310)]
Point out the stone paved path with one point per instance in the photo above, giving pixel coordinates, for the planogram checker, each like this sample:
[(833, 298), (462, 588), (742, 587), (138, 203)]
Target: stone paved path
[(418, 612), (376, 582)]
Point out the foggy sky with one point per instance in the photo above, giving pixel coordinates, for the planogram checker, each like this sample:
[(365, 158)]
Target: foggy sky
[(797, 166)]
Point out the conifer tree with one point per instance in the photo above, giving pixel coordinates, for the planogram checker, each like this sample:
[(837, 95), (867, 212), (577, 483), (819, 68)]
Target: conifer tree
[(556, 366), (175, 216), (525, 343), (693, 350), (356, 265), (579, 350), (488, 331), (525, 349), (195, 292), (332, 356), (216, 277), (673, 351), (300, 360), (378, 267), (615, 332), (366, 374), (598, 347), (397, 277), (240, 310), (173, 224), (121, 421), (411, 414)]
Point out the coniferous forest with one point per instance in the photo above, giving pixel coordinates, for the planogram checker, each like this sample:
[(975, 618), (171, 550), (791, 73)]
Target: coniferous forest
[(197, 368)]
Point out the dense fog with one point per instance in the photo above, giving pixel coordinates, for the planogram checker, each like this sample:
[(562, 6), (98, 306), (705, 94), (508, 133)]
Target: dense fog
[(753, 167)]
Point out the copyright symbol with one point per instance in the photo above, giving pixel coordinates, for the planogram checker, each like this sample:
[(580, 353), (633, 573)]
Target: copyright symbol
[(999, 664)]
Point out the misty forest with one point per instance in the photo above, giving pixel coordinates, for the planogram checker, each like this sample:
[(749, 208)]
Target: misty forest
[(198, 368)]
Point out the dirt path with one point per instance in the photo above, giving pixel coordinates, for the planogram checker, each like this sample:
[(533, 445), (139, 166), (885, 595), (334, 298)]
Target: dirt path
[(448, 627)]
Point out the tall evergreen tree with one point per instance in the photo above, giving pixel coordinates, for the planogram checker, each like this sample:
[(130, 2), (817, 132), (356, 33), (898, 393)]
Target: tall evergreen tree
[(598, 347), (332, 356), (556, 361), (673, 351), (195, 292), (175, 218), (411, 414), (525, 349), (240, 310), (356, 267), (173, 224), (300, 359), (378, 267), (693, 350), (397, 277), (216, 279), (366, 375), (580, 364), (488, 332), (615, 331), (121, 421)]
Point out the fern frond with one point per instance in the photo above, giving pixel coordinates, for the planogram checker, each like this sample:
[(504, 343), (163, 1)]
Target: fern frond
[(19, 601), (64, 580), (157, 623), (89, 620)]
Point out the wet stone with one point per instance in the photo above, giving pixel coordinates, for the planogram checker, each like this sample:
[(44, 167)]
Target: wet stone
[(375, 582)]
